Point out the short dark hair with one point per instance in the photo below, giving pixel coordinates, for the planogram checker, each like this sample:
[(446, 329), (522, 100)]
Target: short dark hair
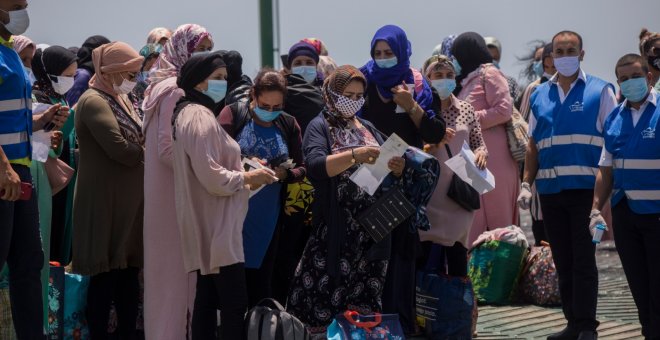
[(268, 80), (575, 34), (630, 59)]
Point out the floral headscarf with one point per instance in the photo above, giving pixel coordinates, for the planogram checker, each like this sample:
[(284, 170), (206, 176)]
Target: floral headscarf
[(335, 85), (177, 51)]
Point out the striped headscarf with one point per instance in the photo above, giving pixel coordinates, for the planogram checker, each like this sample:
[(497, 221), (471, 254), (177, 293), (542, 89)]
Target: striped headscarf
[(177, 51), (436, 62), (335, 85)]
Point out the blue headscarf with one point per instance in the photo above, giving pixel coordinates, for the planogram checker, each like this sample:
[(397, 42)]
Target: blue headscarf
[(387, 78)]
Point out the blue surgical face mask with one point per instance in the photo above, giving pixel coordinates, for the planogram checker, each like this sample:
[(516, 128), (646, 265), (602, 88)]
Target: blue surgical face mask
[(635, 89), (265, 115), (307, 72), (387, 63), (445, 87), (496, 63), (457, 66), (217, 90), (537, 67)]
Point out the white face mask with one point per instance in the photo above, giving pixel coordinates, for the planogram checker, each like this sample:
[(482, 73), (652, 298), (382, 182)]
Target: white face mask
[(30, 75), (19, 21), (567, 66), (125, 88), (61, 84)]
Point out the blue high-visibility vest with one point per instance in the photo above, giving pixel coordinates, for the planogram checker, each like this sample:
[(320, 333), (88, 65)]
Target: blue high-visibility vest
[(568, 143), (15, 106), (636, 157)]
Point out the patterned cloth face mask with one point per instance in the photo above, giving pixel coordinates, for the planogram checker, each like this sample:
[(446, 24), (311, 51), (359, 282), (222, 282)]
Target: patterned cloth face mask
[(347, 107)]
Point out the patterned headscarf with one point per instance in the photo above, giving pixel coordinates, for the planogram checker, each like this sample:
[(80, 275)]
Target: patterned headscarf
[(334, 86), (177, 51), (320, 47), (21, 42), (436, 62), (447, 44), (157, 34)]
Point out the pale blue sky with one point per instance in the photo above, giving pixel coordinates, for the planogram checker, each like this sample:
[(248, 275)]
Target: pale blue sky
[(610, 27)]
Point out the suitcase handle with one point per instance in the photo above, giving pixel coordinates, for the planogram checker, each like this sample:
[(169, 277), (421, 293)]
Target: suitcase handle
[(366, 325)]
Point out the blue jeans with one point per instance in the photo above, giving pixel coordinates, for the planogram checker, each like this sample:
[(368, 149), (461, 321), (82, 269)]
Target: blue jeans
[(20, 247)]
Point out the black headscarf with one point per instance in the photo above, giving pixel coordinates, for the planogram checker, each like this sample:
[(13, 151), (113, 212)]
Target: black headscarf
[(234, 62), (193, 72), (51, 61), (470, 51), (85, 51)]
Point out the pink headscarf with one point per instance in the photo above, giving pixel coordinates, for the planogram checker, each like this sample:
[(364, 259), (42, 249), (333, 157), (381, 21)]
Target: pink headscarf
[(177, 51), (114, 57), (21, 42), (158, 33)]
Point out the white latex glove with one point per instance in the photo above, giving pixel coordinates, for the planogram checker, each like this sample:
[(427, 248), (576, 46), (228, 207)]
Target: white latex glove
[(525, 197), (596, 219)]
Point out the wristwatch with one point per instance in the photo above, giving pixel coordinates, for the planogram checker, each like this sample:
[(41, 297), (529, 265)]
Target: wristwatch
[(353, 160)]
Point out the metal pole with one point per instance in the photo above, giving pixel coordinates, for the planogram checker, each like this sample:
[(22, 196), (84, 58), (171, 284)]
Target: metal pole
[(266, 30)]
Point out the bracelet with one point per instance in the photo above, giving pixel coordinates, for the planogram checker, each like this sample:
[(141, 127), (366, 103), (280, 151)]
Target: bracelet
[(353, 160)]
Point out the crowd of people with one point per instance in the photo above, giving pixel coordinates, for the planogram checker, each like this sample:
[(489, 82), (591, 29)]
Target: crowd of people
[(135, 161)]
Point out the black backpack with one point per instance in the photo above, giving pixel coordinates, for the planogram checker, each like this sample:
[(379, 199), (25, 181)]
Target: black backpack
[(269, 321)]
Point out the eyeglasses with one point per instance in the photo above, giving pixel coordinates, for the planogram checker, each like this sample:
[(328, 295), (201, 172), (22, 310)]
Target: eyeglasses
[(271, 108)]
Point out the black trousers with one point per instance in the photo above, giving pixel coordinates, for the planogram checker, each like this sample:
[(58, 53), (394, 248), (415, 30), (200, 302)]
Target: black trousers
[(293, 239), (400, 283), (566, 218), (225, 291), (259, 281), (538, 229), (637, 240), (122, 287), (20, 248), (445, 260)]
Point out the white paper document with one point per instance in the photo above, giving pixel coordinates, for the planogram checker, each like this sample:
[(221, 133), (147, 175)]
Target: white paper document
[(369, 176), (411, 89), (248, 165), (41, 145), (464, 166)]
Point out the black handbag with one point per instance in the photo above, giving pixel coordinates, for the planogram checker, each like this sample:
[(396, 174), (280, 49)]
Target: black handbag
[(461, 192), (390, 210)]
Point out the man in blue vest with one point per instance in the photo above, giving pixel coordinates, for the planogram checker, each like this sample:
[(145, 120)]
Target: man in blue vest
[(566, 125), (20, 240), (630, 172)]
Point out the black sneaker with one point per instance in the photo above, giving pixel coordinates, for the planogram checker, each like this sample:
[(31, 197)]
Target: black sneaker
[(567, 333)]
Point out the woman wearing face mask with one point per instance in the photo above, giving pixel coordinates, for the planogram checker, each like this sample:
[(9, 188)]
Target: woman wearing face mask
[(25, 49), (303, 61), (649, 47), (168, 287), (211, 199), (108, 203), (483, 86), (342, 267), (399, 100), (450, 223), (265, 132), (150, 52), (54, 69)]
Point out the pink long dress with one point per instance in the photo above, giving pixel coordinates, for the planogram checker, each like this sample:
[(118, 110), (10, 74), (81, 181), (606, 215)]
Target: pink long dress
[(493, 107), (169, 290)]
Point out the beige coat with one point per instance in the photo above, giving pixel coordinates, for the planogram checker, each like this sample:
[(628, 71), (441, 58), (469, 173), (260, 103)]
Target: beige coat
[(211, 198)]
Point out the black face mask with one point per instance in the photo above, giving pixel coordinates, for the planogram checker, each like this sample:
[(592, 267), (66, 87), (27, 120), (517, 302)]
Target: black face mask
[(654, 61)]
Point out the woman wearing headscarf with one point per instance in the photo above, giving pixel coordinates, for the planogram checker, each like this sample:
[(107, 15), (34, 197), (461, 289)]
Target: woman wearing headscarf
[(54, 70), (85, 67), (304, 102), (108, 203), (211, 199), (341, 267), (484, 86), (25, 49), (150, 52), (399, 100), (450, 223), (168, 288), (264, 131), (159, 35), (303, 61)]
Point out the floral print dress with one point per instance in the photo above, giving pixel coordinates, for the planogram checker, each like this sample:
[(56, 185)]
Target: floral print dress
[(316, 298)]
